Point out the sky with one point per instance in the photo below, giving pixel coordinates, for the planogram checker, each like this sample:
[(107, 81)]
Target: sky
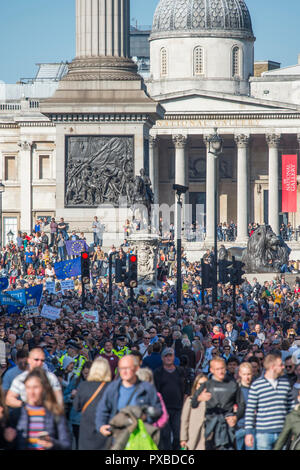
[(34, 31)]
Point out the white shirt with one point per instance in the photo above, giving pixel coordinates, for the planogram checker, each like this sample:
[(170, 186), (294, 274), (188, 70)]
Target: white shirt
[(18, 386)]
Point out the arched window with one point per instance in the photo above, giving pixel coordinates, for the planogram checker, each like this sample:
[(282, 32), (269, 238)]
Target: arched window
[(163, 62), (198, 60), (236, 61)]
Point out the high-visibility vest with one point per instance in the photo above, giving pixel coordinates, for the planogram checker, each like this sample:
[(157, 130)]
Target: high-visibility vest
[(79, 363), (122, 352)]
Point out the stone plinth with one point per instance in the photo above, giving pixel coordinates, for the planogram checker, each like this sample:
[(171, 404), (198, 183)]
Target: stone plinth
[(146, 246)]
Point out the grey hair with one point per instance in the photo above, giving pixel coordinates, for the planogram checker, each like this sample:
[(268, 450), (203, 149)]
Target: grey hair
[(145, 375), (186, 343), (177, 334)]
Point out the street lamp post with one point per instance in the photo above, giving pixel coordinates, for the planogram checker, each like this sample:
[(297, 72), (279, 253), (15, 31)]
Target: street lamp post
[(2, 189), (215, 142), (180, 190), (10, 236)]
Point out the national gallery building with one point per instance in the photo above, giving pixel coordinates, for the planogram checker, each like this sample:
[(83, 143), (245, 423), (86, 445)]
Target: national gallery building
[(97, 120)]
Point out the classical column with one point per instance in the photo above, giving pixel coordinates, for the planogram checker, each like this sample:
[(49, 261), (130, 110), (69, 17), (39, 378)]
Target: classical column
[(273, 143), (102, 42), (102, 28), (179, 142), (242, 142), (154, 177), (25, 159), (154, 166), (211, 177)]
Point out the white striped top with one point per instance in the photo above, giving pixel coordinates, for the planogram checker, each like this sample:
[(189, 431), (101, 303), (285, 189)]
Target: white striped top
[(267, 406)]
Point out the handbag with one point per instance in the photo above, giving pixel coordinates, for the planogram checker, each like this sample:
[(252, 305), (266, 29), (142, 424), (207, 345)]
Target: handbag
[(95, 394)]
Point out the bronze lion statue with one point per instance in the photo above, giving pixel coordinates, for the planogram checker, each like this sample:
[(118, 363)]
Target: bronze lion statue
[(265, 252)]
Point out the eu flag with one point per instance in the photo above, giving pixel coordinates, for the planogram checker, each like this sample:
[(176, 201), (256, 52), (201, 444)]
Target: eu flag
[(71, 268), (33, 295), (76, 247)]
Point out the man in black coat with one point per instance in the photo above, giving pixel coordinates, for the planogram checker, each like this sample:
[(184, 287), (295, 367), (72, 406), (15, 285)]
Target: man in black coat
[(170, 382), (225, 405)]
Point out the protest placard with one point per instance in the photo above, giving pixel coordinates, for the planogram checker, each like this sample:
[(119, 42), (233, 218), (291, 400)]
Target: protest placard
[(90, 315), (50, 287), (51, 313), (31, 311), (67, 285)]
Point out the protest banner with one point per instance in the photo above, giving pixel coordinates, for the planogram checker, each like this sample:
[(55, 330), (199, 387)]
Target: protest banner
[(51, 313)]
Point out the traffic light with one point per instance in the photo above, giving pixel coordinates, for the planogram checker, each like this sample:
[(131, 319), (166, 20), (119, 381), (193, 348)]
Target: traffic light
[(85, 267), (121, 270), (132, 278), (225, 271), (207, 276), (237, 273)]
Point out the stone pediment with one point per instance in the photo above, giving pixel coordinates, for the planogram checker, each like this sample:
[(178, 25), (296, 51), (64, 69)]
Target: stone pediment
[(203, 101)]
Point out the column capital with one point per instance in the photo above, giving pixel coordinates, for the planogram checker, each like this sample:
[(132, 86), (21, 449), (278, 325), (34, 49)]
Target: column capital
[(153, 141), (25, 145), (242, 140), (273, 140), (179, 140)]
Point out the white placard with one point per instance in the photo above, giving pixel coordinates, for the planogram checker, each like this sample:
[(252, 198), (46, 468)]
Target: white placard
[(31, 311), (90, 315), (50, 287), (51, 313), (67, 285)]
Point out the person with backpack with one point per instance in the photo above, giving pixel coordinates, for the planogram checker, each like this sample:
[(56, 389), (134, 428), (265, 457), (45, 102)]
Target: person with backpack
[(170, 383)]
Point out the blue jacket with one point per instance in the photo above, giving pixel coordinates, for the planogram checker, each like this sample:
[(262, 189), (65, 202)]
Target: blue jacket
[(153, 361), (108, 405)]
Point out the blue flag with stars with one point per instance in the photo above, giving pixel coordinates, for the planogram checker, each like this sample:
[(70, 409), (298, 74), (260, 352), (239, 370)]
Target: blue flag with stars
[(70, 268), (76, 247), (33, 295)]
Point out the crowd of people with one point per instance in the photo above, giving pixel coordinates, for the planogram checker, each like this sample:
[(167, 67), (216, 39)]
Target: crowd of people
[(198, 377)]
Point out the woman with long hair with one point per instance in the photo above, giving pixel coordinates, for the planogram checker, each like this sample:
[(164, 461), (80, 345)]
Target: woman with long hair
[(192, 435), (40, 424), (69, 395), (88, 395)]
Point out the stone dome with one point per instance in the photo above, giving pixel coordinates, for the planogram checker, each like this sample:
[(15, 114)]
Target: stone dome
[(222, 18)]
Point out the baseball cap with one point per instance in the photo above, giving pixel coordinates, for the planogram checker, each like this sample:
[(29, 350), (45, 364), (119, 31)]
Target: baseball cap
[(167, 351)]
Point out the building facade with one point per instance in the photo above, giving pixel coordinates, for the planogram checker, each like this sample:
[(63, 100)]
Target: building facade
[(202, 75)]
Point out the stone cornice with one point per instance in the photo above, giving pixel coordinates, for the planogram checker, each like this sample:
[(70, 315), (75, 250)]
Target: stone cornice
[(235, 116), (93, 117), (230, 34), (18, 125)]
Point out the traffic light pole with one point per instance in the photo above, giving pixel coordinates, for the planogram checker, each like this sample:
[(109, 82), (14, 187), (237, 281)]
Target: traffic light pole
[(110, 277), (202, 283), (215, 264), (82, 293), (233, 290), (178, 248)]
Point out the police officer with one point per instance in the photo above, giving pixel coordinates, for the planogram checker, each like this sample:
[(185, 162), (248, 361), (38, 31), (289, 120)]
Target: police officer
[(72, 352), (121, 349)]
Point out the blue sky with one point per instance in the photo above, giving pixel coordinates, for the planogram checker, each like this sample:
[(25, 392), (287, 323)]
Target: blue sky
[(35, 31)]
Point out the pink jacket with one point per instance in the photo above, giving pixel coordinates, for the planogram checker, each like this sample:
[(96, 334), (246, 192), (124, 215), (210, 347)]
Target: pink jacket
[(164, 417)]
